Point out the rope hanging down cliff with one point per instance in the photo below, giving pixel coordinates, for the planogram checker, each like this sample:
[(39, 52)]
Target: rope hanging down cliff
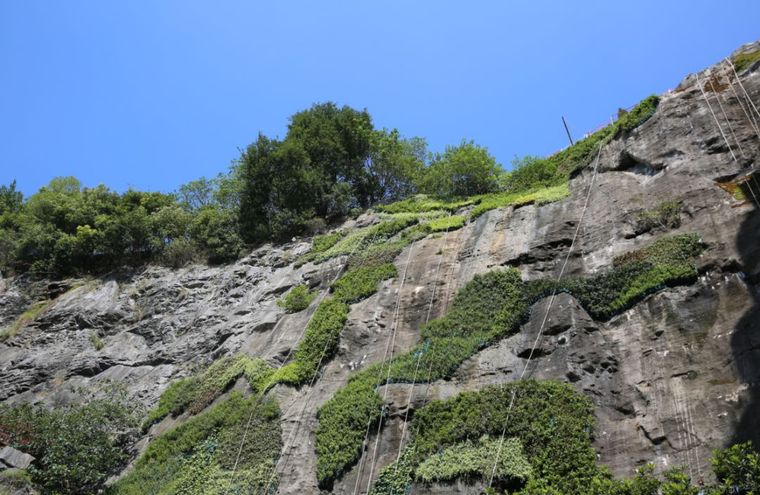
[(390, 357), (288, 444), (546, 314), (283, 362)]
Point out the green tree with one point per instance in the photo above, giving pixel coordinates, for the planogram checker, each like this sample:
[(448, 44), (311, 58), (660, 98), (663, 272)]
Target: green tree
[(738, 467), (10, 199), (463, 170), (396, 165)]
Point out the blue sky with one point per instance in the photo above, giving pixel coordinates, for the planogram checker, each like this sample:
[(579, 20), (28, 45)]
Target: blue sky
[(152, 94)]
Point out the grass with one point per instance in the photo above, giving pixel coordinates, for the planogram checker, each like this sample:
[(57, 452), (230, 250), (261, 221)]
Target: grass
[(487, 309), (360, 239), (471, 459), (25, 318), (422, 203), (538, 196), (744, 60), (445, 224), (297, 299), (96, 341)]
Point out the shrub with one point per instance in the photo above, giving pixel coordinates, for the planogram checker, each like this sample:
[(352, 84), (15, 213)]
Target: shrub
[(547, 430), (297, 299), (322, 243), (738, 466), (77, 447), (469, 459), (461, 171), (179, 253), (194, 393), (196, 457), (666, 215), (361, 282), (744, 60)]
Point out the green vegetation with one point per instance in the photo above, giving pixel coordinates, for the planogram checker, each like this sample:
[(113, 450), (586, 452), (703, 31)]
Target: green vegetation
[(25, 318), (668, 261), (476, 459), (361, 239), (77, 447), (195, 393), (421, 203), (547, 448), (331, 164), (744, 60), (16, 481), (461, 171), (297, 299), (322, 243), (198, 456), (445, 224), (666, 215), (96, 341), (537, 196), (547, 431), (489, 308)]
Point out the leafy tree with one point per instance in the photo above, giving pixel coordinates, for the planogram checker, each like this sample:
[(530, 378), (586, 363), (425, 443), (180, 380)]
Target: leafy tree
[(10, 199), (738, 468), (464, 170), (396, 165), (530, 172)]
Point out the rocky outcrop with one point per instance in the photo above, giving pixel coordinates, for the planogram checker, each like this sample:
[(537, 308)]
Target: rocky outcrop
[(672, 378)]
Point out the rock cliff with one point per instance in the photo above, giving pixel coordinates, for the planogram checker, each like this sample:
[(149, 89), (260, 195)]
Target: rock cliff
[(671, 378)]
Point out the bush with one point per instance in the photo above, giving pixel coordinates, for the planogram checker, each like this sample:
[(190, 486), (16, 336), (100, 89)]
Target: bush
[(297, 299), (77, 447), (552, 421), (461, 171), (195, 457), (737, 466), (195, 393), (666, 215), (744, 60)]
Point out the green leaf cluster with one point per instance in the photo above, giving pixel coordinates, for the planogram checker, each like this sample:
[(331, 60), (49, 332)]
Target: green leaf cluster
[(744, 60), (76, 447), (470, 459), (195, 393), (297, 299), (197, 457)]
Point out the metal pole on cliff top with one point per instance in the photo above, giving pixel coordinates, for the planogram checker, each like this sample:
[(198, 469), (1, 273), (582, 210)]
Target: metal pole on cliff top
[(567, 130)]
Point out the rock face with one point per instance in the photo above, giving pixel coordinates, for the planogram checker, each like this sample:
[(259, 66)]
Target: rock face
[(672, 378)]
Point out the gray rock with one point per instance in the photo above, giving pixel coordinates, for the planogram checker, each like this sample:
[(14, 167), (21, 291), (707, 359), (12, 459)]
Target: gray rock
[(15, 458)]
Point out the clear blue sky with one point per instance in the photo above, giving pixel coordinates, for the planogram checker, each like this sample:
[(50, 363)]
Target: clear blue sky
[(151, 94)]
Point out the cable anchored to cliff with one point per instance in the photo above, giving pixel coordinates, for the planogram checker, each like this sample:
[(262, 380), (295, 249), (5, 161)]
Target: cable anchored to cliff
[(546, 314)]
